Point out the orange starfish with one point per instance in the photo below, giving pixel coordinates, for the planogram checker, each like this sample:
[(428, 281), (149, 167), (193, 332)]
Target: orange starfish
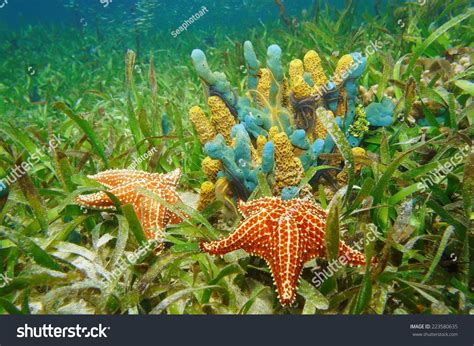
[(286, 234), (154, 217)]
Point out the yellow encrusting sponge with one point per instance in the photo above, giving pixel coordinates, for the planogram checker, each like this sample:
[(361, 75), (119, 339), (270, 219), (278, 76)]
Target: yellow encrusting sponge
[(312, 64), (263, 87), (211, 167), (207, 195), (288, 169), (221, 117), (343, 68), (202, 124)]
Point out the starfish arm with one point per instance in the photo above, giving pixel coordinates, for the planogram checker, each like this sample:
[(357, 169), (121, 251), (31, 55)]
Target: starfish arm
[(258, 242), (249, 235), (170, 179), (312, 228), (168, 194), (98, 200), (352, 257), (174, 219), (309, 207), (152, 217), (125, 194), (255, 206), (287, 263), (115, 177), (316, 210)]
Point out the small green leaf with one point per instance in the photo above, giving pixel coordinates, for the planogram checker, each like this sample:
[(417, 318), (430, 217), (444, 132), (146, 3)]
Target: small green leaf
[(365, 293), (402, 194), (165, 303), (31, 249), (9, 307), (309, 174), (435, 35), (442, 245), (34, 198), (122, 237), (84, 126), (343, 145), (263, 185), (465, 85), (314, 300), (246, 307), (331, 238), (185, 248), (134, 224)]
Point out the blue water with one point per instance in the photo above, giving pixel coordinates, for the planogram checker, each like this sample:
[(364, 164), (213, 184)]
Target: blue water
[(165, 14), (118, 23), (92, 30)]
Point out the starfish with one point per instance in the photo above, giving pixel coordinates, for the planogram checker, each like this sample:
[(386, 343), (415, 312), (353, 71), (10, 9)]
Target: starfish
[(153, 216), (286, 234)]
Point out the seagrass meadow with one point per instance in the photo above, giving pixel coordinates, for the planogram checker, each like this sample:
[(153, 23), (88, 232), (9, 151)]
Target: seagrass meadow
[(309, 158)]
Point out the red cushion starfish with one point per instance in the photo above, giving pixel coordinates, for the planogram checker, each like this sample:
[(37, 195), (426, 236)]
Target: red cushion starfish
[(153, 216), (286, 234)]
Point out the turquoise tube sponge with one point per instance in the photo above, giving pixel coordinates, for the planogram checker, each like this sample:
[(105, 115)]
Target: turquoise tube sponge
[(238, 164), (274, 64), (310, 157), (242, 144), (350, 85), (202, 68), (253, 67), (360, 64), (216, 81), (268, 158), (298, 139), (218, 150)]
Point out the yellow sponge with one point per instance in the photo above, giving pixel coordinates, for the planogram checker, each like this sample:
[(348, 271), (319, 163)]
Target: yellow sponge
[(221, 117), (207, 195), (202, 124), (312, 64)]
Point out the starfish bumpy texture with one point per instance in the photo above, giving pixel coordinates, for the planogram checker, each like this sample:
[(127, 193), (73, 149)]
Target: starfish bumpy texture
[(154, 217), (286, 234)]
